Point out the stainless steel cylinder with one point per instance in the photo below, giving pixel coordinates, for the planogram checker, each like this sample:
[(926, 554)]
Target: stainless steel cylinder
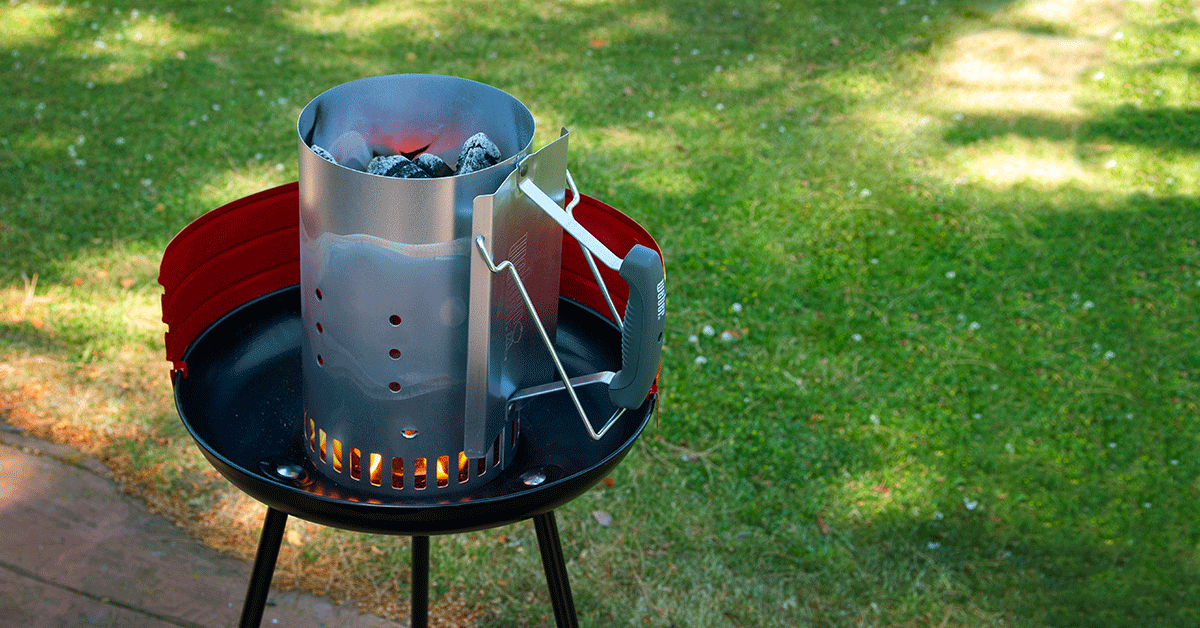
[(385, 272)]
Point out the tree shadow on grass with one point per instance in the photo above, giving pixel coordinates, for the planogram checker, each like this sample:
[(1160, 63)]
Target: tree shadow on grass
[(1167, 128)]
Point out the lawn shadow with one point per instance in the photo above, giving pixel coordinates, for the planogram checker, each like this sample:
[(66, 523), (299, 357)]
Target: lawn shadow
[(1164, 128)]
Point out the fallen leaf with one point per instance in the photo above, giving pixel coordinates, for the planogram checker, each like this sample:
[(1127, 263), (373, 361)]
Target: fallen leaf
[(628, 91), (834, 41), (128, 282), (293, 537), (78, 281), (609, 482), (598, 43), (823, 526), (37, 322), (882, 489), (102, 274), (602, 518)]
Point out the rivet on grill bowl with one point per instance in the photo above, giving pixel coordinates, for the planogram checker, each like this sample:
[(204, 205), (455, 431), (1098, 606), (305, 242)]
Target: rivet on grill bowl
[(289, 471), (533, 478)]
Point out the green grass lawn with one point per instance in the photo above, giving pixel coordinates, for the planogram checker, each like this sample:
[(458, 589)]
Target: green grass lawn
[(933, 271)]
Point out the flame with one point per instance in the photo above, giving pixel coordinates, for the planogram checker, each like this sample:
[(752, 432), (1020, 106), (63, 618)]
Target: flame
[(462, 467), (443, 474)]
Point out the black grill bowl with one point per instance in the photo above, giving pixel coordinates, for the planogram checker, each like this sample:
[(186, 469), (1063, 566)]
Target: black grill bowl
[(241, 402)]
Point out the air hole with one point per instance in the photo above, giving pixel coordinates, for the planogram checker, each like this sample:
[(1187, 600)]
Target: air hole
[(312, 434), (410, 433), (322, 433), (320, 329), (395, 353), (355, 463), (463, 469), (337, 455), (495, 451), (319, 295), (320, 360), (419, 474), (376, 469), (514, 432), (443, 471), (480, 466), (394, 319), (394, 386), (397, 473)]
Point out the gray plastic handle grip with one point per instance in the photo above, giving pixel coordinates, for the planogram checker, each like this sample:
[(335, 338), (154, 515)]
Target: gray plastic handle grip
[(642, 336)]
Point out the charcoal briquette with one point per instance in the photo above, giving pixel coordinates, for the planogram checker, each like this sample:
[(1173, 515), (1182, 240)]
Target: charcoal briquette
[(397, 166), (350, 150), (478, 152), (433, 165), (323, 154)]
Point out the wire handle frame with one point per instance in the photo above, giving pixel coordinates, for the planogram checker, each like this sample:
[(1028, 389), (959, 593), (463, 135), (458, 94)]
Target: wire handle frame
[(481, 246)]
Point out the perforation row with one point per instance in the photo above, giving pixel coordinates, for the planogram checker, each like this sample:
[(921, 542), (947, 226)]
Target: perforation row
[(329, 451)]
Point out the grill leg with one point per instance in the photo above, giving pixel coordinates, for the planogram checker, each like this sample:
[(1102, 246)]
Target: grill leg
[(420, 582), (556, 570), (264, 568)]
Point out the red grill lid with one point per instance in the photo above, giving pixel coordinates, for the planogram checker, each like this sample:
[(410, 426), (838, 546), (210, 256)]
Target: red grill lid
[(250, 247)]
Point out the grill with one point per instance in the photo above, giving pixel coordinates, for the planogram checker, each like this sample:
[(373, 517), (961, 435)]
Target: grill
[(415, 356)]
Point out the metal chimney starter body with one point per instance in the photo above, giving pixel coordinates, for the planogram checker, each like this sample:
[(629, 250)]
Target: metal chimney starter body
[(387, 286)]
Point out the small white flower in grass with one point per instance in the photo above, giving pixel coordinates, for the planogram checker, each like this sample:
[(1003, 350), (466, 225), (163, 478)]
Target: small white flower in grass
[(718, 68), (856, 337), (147, 182), (708, 330), (874, 260), (694, 338), (99, 45), (874, 419), (1118, 36), (976, 416), (81, 163), (865, 193), (720, 106), (1099, 76), (1009, 448), (258, 155), (924, 18), (1112, 445), (933, 545), (216, 107), (736, 307), (971, 504), (71, 150), (701, 360), (973, 326), (951, 274), (649, 114), (1146, 505), (957, 117), (727, 367), (149, 157), (89, 85), (726, 336), (1110, 164), (937, 516), (1108, 355), (1174, 463), (120, 141), (782, 129), (750, 57)]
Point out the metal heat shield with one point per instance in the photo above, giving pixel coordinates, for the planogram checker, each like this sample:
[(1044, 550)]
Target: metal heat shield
[(504, 351)]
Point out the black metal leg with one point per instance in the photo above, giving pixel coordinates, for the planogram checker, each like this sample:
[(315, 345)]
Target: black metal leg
[(556, 571), (420, 582), (264, 568)]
